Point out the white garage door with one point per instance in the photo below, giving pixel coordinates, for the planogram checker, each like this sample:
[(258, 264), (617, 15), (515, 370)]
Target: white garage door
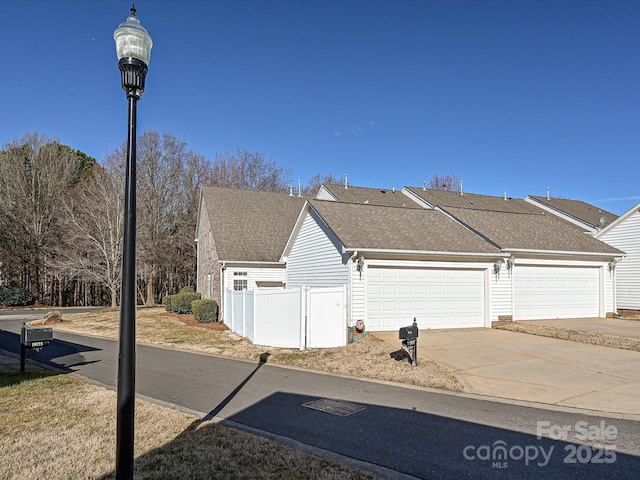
[(437, 298), (555, 292)]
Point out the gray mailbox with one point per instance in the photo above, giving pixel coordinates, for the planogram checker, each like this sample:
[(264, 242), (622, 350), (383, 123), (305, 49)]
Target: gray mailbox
[(409, 337), (31, 337)]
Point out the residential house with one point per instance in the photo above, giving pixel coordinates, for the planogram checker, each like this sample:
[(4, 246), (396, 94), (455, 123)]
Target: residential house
[(398, 264), (624, 234), (240, 237), (554, 269), (447, 259)]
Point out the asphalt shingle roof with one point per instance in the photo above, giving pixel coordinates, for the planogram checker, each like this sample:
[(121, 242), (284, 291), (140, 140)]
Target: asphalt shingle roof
[(371, 196), (578, 209), (396, 228), (531, 231), (474, 201), (515, 223), (250, 225)]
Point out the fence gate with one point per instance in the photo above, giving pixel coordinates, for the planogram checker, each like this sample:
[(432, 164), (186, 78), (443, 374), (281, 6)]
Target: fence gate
[(326, 317)]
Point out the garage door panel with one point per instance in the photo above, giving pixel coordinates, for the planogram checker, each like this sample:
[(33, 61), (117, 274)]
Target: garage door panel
[(437, 298), (555, 292)]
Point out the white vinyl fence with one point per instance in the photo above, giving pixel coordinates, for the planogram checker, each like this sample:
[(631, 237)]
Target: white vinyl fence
[(300, 317)]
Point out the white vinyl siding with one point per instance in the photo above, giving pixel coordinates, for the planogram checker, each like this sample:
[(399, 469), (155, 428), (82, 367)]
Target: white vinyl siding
[(500, 287), (436, 298), (626, 237), (316, 258), (253, 275), (544, 292)]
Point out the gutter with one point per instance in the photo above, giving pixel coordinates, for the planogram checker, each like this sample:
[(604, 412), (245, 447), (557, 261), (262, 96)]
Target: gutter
[(562, 252)]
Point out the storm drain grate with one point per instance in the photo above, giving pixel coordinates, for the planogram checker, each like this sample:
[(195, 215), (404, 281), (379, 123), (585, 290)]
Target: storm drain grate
[(336, 407)]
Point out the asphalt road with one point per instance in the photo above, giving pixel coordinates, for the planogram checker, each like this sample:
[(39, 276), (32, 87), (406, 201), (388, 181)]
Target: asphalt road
[(421, 433)]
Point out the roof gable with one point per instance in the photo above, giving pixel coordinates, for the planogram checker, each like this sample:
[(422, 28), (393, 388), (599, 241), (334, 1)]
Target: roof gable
[(618, 222), (250, 225)]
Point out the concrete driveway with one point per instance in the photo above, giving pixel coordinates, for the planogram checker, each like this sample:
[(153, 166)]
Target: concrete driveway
[(531, 368)]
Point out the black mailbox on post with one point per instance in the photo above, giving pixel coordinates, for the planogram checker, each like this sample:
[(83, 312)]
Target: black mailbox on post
[(409, 337), (409, 333), (31, 337), (35, 337)]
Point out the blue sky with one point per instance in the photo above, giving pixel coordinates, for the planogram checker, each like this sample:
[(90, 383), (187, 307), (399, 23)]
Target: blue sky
[(506, 95)]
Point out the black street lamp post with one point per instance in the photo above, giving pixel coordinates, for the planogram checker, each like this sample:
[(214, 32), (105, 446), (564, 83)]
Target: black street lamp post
[(133, 46)]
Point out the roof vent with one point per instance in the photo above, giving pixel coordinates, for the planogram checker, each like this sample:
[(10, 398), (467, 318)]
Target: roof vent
[(424, 185), (346, 181), (461, 191), (505, 193), (393, 188), (548, 193), (299, 188), (291, 190)]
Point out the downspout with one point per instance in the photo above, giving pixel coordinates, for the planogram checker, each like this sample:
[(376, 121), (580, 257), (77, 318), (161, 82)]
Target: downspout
[(223, 267), (197, 266), (350, 323)]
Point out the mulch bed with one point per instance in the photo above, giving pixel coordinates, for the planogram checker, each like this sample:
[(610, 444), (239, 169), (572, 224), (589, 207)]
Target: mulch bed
[(592, 338), (190, 320)]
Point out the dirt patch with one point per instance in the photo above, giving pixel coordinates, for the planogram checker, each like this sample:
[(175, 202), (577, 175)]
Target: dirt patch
[(629, 314), (190, 320), (591, 338)]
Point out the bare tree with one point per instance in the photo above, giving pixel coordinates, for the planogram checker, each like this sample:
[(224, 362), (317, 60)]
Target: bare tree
[(94, 228), (35, 173), (169, 180), (449, 183), (316, 181), (250, 170)]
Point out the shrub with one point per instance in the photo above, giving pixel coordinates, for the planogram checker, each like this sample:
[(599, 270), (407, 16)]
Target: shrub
[(15, 295), (205, 311), (166, 301), (181, 303)]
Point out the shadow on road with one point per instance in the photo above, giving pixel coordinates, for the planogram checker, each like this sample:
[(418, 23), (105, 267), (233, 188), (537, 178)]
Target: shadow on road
[(60, 354), (209, 416), (384, 439)]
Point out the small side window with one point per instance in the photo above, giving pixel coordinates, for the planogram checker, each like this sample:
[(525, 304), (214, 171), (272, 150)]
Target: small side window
[(239, 280)]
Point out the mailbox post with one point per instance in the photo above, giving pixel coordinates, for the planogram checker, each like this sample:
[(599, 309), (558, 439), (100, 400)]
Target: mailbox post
[(409, 337), (31, 337)]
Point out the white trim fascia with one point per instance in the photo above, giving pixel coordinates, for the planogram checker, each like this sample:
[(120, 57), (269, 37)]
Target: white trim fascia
[(618, 220), (294, 231), (249, 262), (444, 264), (562, 214), (425, 252), (561, 252), (417, 198)]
